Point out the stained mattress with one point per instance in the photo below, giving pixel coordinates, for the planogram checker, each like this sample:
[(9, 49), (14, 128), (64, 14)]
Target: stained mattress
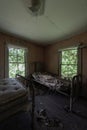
[(12, 93)]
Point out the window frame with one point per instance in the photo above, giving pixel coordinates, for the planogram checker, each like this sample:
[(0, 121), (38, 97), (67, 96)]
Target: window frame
[(7, 58)]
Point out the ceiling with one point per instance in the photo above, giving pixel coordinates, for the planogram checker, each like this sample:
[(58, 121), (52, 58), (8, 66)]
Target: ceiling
[(61, 19)]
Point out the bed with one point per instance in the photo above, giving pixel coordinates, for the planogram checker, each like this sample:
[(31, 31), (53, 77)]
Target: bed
[(53, 83), (13, 97)]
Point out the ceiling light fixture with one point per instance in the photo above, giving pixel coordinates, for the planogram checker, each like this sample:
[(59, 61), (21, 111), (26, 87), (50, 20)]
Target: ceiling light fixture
[(36, 7)]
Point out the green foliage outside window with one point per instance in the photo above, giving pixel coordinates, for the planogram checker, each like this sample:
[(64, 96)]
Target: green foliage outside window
[(69, 63), (16, 62)]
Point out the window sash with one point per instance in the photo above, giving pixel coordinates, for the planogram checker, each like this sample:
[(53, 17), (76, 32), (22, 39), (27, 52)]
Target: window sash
[(60, 61), (17, 63)]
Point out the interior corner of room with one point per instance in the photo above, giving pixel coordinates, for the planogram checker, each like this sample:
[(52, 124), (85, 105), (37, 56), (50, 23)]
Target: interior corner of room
[(48, 40)]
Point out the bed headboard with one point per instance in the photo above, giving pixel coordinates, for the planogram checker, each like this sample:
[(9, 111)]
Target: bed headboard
[(22, 79), (77, 85)]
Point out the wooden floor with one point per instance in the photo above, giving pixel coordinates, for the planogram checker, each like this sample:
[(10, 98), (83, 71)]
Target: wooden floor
[(54, 105)]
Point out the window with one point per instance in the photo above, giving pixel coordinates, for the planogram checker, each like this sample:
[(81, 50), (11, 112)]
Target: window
[(16, 61), (68, 62)]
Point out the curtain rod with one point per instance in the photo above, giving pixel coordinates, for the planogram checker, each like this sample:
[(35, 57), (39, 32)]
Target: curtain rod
[(79, 45)]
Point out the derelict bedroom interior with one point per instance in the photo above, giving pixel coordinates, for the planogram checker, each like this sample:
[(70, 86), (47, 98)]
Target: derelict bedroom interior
[(43, 65)]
